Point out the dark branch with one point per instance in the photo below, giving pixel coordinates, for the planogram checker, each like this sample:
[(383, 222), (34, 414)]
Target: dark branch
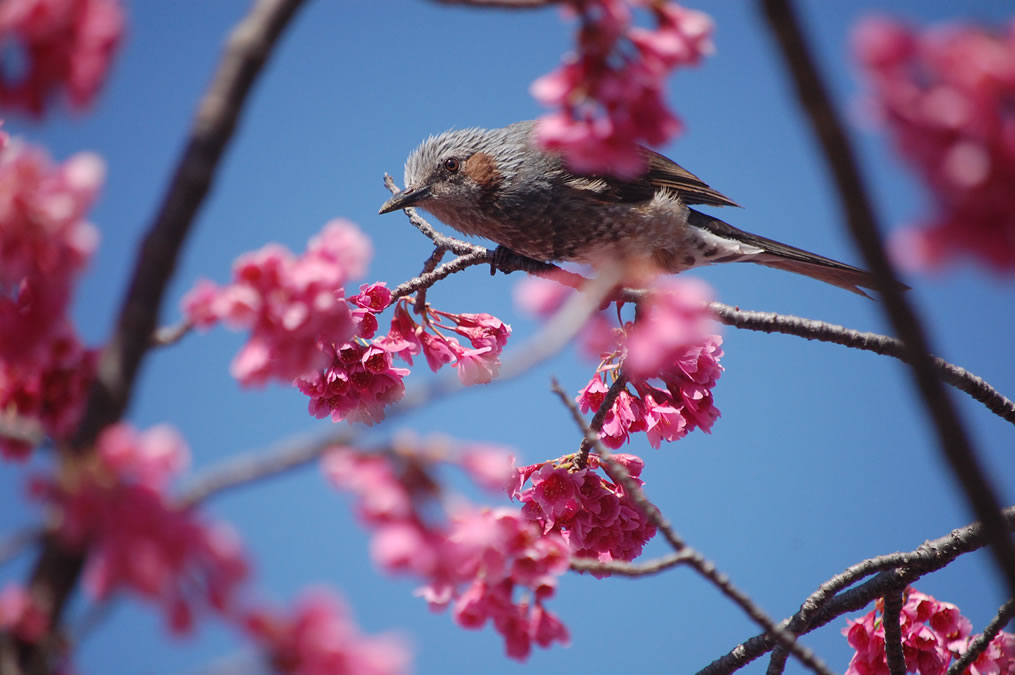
[(894, 657), (979, 644), (953, 439), (899, 570), (811, 329)]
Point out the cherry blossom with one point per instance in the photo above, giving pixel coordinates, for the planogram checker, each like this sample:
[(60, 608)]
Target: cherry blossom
[(610, 94), (944, 95), (67, 45), (320, 638), (114, 505), (487, 564), (933, 633)]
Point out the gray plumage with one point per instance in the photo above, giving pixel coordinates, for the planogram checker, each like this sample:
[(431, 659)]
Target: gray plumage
[(498, 184)]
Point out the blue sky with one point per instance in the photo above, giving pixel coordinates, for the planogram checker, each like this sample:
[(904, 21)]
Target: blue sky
[(822, 456)]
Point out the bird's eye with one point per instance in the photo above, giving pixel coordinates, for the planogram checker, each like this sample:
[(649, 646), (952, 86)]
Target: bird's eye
[(452, 164)]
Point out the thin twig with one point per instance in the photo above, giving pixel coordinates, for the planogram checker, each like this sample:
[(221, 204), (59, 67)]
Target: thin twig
[(501, 4), (596, 425), (248, 468), (812, 329), (929, 557), (165, 336), (703, 566), (979, 644), (953, 438), (626, 569), (247, 50)]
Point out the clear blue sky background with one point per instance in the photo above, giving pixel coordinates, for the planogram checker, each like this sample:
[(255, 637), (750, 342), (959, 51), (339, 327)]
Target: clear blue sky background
[(822, 456)]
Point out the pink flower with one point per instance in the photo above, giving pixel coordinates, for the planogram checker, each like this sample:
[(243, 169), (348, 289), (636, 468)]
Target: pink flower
[(320, 638), (473, 559), (20, 615), (610, 97), (66, 44), (596, 517), (45, 243), (540, 297), (491, 467), (933, 633), (295, 307), (674, 316), (357, 385), (136, 538), (943, 95), (50, 389)]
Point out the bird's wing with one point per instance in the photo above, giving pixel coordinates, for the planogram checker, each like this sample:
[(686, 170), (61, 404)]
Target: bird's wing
[(662, 172)]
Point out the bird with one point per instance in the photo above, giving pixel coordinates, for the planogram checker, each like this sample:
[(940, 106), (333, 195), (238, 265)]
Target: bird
[(501, 185)]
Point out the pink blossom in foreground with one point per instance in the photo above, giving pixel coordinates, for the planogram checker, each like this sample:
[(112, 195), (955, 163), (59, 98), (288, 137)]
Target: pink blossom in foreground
[(320, 638), (475, 560), (137, 539), (944, 95), (479, 365), (671, 361), (49, 389), (933, 634), (45, 243), (20, 616), (357, 385), (66, 45), (596, 516), (294, 306), (610, 95)]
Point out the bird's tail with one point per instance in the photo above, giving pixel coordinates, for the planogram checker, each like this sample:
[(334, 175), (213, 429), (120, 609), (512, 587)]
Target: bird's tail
[(784, 257)]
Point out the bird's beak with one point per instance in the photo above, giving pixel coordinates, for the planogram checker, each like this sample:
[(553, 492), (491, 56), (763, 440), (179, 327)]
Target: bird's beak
[(406, 198)]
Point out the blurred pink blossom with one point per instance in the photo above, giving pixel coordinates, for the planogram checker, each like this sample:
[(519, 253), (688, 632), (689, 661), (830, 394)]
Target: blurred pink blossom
[(944, 95), (136, 538), (320, 638), (294, 306), (67, 45), (609, 95)]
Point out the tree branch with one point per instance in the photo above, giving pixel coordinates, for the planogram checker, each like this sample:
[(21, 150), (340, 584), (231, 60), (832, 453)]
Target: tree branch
[(897, 569), (952, 436), (979, 644), (811, 329)]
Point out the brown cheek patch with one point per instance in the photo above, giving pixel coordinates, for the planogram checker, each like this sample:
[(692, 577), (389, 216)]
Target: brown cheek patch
[(482, 168)]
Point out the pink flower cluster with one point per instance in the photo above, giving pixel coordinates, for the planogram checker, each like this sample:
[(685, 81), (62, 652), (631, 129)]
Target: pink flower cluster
[(945, 95), (360, 380), (933, 633), (320, 638), (610, 95), (671, 343), (20, 615), (479, 365), (294, 306), (65, 44), (49, 389), (114, 504), (597, 517), (45, 243), (474, 561)]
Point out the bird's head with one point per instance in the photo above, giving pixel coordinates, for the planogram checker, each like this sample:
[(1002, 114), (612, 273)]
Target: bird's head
[(453, 174)]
